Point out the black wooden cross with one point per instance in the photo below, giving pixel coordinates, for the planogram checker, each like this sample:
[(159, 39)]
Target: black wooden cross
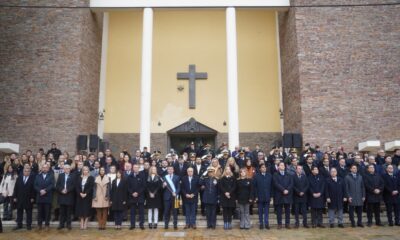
[(192, 75)]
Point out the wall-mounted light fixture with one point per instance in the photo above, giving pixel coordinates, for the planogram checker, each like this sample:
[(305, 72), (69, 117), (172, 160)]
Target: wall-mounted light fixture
[(159, 123), (101, 115), (281, 113), (224, 123), (180, 88)]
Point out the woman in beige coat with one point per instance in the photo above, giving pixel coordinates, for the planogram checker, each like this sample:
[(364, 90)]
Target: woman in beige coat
[(101, 197)]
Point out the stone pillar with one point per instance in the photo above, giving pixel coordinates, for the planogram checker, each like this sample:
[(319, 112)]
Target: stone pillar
[(145, 96), (232, 78)]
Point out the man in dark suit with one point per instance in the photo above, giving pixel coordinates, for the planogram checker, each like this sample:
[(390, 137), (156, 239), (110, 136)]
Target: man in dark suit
[(44, 185), (262, 194), (66, 188), (335, 193), (171, 192), (199, 168), (24, 196), (180, 167), (283, 194), (190, 190), (136, 191), (300, 190), (308, 165), (374, 186), (391, 195)]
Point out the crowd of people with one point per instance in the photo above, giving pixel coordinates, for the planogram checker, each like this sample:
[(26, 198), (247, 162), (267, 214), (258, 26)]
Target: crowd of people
[(303, 182)]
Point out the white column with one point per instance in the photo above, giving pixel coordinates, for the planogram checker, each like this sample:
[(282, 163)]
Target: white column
[(145, 95), (278, 47), (233, 109), (103, 74)]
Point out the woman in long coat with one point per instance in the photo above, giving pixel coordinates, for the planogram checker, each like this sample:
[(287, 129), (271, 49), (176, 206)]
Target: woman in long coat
[(244, 193), (153, 196), (101, 197), (84, 192), (316, 199), (119, 197), (227, 186)]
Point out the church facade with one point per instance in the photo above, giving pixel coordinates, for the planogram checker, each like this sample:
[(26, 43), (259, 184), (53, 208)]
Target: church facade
[(157, 74)]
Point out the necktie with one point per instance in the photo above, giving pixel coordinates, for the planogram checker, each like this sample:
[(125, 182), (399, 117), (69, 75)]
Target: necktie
[(25, 178), (190, 183)]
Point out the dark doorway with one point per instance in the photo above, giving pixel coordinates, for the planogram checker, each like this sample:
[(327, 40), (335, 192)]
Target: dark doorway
[(191, 131), (180, 141)]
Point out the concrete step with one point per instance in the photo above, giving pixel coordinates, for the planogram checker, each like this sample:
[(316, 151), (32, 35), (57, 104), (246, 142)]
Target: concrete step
[(201, 221)]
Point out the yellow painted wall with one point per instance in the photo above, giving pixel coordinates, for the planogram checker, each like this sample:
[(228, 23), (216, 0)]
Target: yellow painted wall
[(258, 71), (183, 37), (123, 72)]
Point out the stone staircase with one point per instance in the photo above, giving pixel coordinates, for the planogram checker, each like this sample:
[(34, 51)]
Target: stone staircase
[(201, 220)]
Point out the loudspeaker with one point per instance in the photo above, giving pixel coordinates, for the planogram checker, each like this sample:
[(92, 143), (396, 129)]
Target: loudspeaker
[(94, 142), (81, 142), (287, 140), (297, 140)]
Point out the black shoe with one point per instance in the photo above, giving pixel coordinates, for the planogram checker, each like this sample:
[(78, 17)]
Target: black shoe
[(60, 227), (28, 228), (397, 224), (369, 224), (266, 226), (391, 225), (142, 227), (353, 225), (69, 227), (287, 226), (261, 226), (150, 225), (340, 226), (155, 226), (380, 225), (320, 226), (331, 225), (306, 226), (175, 227), (360, 225), (132, 227), (165, 227)]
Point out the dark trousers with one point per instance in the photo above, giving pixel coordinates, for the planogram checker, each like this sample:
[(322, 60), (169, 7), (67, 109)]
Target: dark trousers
[(228, 213), (211, 215), (316, 216), (169, 206), (358, 210), (390, 208), (374, 209), (263, 212), (7, 208), (65, 215), (137, 208), (190, 210), (20, 216), (279, 209), (202, 205), (44, 213), (300, 208), (118, 216)]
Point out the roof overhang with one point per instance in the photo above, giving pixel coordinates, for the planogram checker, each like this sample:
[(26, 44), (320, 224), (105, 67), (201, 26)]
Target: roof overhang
[(104, 5)]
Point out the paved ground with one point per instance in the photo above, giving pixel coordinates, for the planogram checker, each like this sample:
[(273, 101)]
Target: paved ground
[(381, 233)]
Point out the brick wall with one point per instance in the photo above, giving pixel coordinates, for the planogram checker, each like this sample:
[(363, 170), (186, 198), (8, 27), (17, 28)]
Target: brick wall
[(49, 73), (348, 71)]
